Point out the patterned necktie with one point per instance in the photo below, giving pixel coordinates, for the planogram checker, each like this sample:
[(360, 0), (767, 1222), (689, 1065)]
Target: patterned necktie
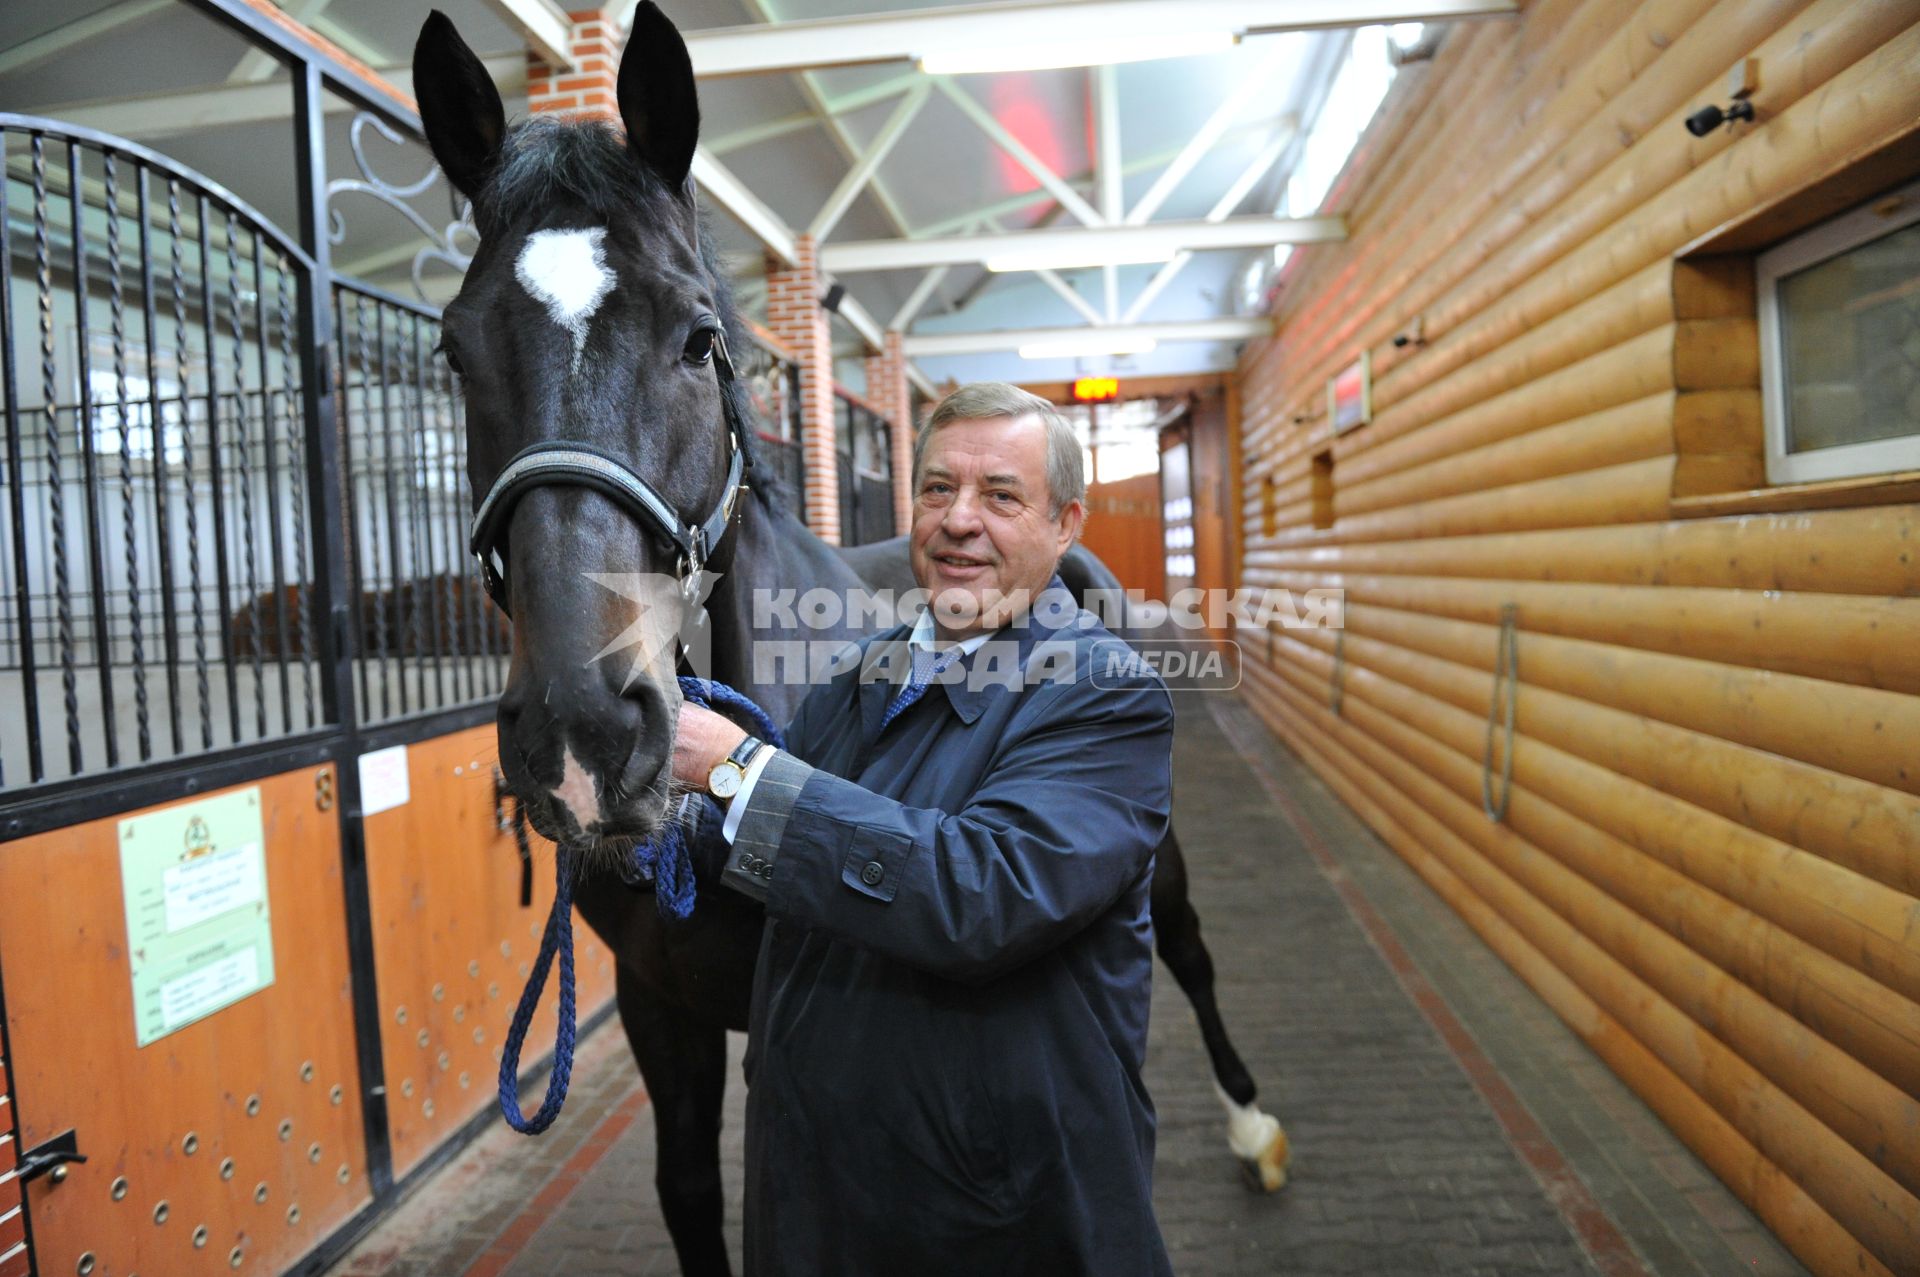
[(926, 668)]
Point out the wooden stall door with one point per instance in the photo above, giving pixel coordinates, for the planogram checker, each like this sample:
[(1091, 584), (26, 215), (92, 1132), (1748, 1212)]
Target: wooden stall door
[(1123, 528), (233, 1142), (453, 943)]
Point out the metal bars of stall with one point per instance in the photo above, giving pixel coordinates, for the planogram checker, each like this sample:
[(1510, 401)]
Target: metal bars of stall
[(148, 459)]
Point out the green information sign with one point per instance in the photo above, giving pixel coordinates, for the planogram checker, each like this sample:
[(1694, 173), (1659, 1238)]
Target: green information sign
[(198, 933)]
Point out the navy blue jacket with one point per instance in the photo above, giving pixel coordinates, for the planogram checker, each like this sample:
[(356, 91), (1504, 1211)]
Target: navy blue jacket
[(950, 1011)]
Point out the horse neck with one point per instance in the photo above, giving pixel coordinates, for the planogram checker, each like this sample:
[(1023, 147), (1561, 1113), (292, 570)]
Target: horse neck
[(773, 553)]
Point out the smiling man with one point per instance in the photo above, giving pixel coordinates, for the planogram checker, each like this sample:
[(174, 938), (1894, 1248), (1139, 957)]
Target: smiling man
[(950, 1009)]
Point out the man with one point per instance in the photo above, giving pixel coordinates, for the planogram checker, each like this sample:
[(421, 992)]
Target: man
[(950, 1009)]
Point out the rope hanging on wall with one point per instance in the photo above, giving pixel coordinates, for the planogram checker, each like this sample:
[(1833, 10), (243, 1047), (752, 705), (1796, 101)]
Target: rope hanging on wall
[(1506, 673), (1337, 681)]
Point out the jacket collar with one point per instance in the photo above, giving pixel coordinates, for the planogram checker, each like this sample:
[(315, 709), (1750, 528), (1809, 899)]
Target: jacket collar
[(1008, 650)]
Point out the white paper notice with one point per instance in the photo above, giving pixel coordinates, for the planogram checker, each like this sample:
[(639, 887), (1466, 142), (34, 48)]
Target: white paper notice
[(209, 886), (208, 988), (383, 780)]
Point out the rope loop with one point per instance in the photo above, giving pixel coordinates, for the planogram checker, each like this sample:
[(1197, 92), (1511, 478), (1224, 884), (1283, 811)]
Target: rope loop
[(1506, 674), (667, 862)]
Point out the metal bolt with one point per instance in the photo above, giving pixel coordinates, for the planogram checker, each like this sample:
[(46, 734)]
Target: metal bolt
[(293, 1214), (306, 1071), (260, 1191), (286, 1129), (473, 969), (58, 1174), (235, 1256), (336, 1094), (191, 1144), (506, 948), (119, 1189), (253, 1106), (226, 1168), (493, 990), (313, 1152), (479, 1035), (406, 1088), (427, 1108), (343, 1174), (160, 1212), (422, 1039), (459, 1014), (85, 1266), (200, 1237), (445, 1061), (466, 1079), (439, 993), (400, 1015)]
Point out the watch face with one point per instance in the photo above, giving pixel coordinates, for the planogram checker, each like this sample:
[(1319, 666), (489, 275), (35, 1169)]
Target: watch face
[(724, 781)]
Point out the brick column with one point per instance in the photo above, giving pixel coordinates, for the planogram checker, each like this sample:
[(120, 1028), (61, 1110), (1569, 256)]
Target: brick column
[(889, 391), (795, 316), (591, 88)]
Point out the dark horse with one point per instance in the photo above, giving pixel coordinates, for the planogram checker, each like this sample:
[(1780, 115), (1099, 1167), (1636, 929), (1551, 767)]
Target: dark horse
[(594, 318)]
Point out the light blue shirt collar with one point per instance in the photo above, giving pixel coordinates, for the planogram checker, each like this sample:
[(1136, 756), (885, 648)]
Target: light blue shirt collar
[(922, 638)]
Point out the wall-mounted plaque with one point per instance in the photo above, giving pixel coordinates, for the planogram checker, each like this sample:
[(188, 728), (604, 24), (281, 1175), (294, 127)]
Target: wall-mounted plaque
[(199, 937), (1350, 394)]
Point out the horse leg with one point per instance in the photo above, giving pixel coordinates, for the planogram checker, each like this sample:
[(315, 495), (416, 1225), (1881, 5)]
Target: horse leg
[(1254, 1136), (684, 1064)]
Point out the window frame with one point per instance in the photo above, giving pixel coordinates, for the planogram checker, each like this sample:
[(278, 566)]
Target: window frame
[(1810, 247)]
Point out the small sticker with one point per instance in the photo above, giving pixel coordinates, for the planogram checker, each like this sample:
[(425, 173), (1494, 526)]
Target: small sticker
[(383, 780)]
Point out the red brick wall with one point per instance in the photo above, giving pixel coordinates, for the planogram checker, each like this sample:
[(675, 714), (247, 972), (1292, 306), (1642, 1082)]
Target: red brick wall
[(888, 390), (589, 88), (795, 317)]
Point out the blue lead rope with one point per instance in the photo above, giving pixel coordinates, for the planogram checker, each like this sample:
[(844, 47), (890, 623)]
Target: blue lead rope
[(666, 862)]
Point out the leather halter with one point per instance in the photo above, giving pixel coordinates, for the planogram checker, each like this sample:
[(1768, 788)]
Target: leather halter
[(559, 462)]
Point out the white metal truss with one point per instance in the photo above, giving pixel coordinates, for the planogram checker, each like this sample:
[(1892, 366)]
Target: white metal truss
[(545, 26), (1202, 330), (1242, 186), (863, 170), (907, 36), (1082, 245)]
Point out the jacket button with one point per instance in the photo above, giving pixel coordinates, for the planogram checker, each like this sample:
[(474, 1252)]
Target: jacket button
[(872, 874)]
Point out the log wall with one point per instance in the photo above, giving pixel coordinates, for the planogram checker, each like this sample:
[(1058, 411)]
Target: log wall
[(1709, 862)]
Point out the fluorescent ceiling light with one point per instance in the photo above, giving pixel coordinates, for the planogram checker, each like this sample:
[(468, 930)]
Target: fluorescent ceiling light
[(1090, 52), (1074, 259), (1094, 343)]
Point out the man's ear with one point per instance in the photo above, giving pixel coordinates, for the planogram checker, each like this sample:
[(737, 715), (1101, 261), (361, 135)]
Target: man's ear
[(1072, 519), (459, 106), (658, 101)]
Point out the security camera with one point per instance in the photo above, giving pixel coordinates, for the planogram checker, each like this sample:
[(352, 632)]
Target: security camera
[(1709, 118)]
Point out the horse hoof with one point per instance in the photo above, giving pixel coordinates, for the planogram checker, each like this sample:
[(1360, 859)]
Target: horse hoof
[(1267, 1173)]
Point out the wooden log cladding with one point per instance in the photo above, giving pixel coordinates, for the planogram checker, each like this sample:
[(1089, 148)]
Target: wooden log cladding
[(1847, 914), (1783, 1205), (1629, 907), (1876, 1026), (1861, 1197), (1867, 551), (1868, 828)]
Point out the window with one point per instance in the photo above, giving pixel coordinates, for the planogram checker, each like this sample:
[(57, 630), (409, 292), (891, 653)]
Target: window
[(1840, 344)]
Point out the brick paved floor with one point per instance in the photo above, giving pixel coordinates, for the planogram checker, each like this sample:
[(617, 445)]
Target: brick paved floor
[(1403, 1162)]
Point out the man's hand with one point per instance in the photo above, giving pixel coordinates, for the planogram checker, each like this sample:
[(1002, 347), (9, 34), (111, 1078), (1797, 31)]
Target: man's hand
[(702, 743)]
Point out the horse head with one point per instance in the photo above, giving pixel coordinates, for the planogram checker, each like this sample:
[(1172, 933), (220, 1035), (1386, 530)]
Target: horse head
[(604, 457)]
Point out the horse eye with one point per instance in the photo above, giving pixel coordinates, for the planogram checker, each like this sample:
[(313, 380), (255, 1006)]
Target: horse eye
[(699, 346), (453, 360)]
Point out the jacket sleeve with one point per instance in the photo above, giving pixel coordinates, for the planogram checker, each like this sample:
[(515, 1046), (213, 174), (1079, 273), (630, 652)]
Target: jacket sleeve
[(1065, 819)]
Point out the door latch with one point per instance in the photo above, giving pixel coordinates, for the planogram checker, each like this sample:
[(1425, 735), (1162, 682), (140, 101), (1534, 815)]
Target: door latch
[(51, 1157)]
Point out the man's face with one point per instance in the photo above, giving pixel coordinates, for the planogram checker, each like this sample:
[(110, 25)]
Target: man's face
[(981, 529)]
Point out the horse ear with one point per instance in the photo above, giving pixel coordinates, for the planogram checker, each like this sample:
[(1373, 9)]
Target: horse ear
[(459, 106), (658, 101)]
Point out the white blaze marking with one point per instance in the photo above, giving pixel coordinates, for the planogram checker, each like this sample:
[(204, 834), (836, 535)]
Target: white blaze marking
[(567, 271), (576, 791)]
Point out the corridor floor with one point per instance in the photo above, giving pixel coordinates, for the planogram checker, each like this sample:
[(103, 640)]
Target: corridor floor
[(1443, 1120)]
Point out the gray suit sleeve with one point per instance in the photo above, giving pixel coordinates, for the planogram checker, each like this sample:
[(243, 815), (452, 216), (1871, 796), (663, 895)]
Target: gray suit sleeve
[(756, 844)]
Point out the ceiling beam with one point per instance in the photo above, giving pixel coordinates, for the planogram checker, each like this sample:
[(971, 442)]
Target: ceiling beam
[(905, 37), (715, 181), (544, 25), (1090, 244), (144, 117), (1220, 212), (51, 44), (1257, 84), (869, 162), (925, 345), (918, 298), (768, 130), (1013, 146), (1104, 86)]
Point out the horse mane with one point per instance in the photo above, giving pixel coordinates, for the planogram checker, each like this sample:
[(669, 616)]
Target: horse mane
[(544, 160)]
